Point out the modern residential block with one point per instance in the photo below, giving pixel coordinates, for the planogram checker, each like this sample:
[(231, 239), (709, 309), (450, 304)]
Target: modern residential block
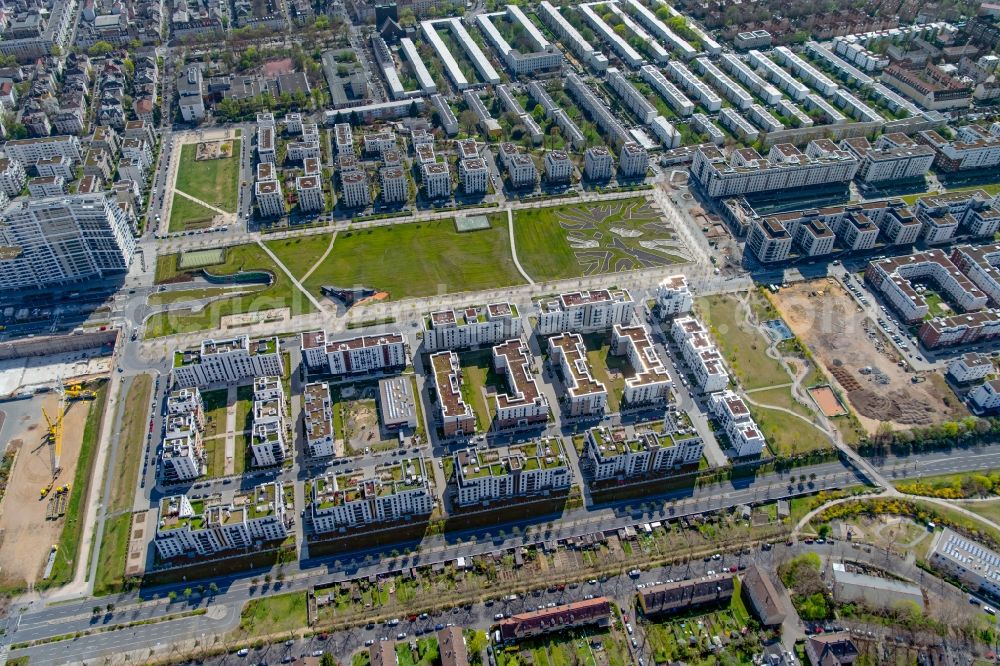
[(61, 240), (361, 355), (386, 493), (521, 471), (585, 396)]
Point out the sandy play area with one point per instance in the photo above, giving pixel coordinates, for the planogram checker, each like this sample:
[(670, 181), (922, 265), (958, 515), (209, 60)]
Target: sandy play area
[(863, 364), (25, 534)]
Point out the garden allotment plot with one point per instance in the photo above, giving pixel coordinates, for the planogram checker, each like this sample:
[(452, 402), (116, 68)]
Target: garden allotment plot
[(593, 238)]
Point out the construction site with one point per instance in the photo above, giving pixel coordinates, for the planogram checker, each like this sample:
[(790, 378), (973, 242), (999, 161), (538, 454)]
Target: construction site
[(47, 432), (864, 365)]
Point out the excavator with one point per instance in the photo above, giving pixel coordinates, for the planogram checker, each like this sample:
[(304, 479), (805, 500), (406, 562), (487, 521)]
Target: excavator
[(77, 392)]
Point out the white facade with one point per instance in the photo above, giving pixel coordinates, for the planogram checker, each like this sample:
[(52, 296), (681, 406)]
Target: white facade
[(598, 164), (558, 167), (317, 419), (785, 167), (360, 355), (227, 361), (633, 160), (12, 177), (585, 312), (700, 354), (673, 297), (486, 325), (64, 239), (395, 186), (650, 382), (356, 193), (193, 528), (970, 367), (620, 454), (270, 200), (986, 396), (585, 396), (310, 193), (387, 493), (437, 180), (29, 151), (732, 412), (521, 471), (474, 175)]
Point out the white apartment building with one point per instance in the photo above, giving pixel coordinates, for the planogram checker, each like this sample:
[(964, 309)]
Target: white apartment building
[(633, 160), (454, 414), (986, 396), (186, 401), (310, 193), (56, 166), (585, 396), (734, 415), (970, 367), (356, 191), (395, 187), (202, 528), (585, 311), (393, 492), (598, 164), (183, 456), (379, 142), (437, 180), (343, 139), (650, 382), (700, 354), (520, 167), (266, 149), (944, 215), (627, 454), (490, 474), (474, 326), (786, 167), (474, 175), (671, 93), (893, 157), (974, 147), (64, 239), (892, 278), (12, 177), (673, 297), (46, 186), (980, 264), (558, 167), (270, 200), (523, 404), (30, 151), (269, 443), (228, 360), (360, 355), (317, 419), (632, 98)]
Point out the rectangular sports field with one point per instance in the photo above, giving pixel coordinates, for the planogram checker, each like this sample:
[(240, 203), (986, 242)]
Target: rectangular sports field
[(418, 259), (216, 182)]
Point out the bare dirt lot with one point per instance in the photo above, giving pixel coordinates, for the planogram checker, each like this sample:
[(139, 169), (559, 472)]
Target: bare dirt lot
[(863, 364), (25, 534)]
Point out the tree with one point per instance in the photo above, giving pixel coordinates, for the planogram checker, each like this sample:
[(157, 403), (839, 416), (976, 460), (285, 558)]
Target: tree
[(823, 531), (468, 120), (100, 49)]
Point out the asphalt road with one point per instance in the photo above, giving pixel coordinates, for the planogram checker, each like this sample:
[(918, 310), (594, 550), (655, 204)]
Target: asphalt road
[(41, 622)]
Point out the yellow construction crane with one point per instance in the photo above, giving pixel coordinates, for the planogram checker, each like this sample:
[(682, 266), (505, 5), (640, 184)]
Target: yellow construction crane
[(54, 438)]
